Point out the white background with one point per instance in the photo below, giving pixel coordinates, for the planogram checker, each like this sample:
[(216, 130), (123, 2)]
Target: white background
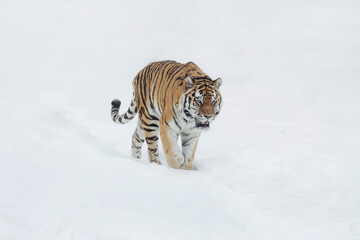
[(282, 161)]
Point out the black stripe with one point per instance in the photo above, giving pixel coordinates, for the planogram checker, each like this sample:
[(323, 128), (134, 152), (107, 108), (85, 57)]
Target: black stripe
[(136, 147), (148, 115), (186, 142), (153, 138), (138, 139), (152, 149), (177, 124), (140, 83), (185, 134), (151, 125), (154, 118), (126, 116), (149, 130), (178, 70), (187, 113), (204, 77)]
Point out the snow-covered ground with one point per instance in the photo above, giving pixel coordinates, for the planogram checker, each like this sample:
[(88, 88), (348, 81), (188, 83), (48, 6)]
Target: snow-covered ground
[(282, 161)]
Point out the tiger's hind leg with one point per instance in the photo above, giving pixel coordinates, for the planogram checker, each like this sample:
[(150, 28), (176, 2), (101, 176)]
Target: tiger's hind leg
[(138, 139), (151, 132), (152, 140)]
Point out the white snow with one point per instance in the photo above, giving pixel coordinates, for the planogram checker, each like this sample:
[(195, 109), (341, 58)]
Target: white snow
[(282, 161)]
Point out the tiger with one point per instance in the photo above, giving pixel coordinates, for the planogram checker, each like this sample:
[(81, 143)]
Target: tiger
[(172, 99)]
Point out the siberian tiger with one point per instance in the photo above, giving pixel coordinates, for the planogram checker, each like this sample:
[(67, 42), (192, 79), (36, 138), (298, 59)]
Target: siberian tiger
[(172, 99)]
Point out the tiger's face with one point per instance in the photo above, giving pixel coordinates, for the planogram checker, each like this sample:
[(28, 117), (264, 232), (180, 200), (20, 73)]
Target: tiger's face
[(202, 101)]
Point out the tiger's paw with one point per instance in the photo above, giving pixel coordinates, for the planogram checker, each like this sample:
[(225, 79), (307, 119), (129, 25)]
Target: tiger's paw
[(136, 154), (188, 166), (178, 163), (155, 161)]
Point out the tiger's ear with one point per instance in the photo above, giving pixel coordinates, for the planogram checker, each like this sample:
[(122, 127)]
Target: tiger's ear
[(218, 82), (189, 82)]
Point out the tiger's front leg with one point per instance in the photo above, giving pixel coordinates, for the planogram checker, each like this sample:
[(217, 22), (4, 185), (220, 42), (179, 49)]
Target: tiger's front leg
[(189, 142), (169, 138)]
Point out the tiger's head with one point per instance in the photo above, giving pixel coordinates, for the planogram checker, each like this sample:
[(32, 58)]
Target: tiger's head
[(202, 100)]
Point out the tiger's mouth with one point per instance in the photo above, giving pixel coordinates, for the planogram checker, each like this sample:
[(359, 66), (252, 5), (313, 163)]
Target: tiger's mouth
[(204, 125)]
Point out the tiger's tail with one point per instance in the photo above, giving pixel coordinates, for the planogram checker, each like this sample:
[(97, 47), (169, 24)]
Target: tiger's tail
[(126, 117)]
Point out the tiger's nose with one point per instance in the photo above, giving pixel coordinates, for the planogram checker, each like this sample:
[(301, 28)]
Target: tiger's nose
[(207, 116)]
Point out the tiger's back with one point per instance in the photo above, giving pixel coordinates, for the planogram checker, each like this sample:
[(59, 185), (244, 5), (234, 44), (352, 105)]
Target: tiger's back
[(163, 82)]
